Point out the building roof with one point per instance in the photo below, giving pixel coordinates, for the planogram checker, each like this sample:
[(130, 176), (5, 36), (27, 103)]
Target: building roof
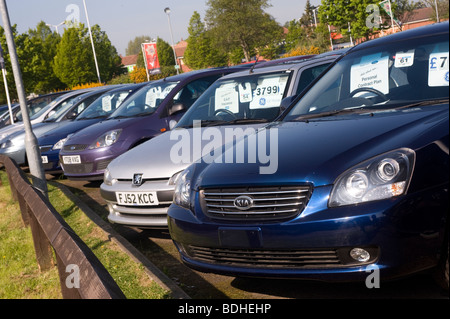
[(129, 60)]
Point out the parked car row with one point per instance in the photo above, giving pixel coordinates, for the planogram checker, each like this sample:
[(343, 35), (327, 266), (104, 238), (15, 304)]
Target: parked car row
[(320, 167)]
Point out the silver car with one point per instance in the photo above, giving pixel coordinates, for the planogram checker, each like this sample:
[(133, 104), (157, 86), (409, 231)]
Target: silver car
[(138, 186)]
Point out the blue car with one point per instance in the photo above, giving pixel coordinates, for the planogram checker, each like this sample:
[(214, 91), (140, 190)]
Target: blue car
[(51, 143), (350, 182)]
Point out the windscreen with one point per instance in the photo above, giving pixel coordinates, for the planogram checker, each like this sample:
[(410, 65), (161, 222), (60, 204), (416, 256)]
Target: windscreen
[(382, 77), (145, 101), (249, 97)]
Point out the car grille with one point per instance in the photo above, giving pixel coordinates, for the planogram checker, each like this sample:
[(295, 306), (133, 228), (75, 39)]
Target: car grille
[(45, 148), (268, 203), (74, 147), (78, 168), (265, 258)]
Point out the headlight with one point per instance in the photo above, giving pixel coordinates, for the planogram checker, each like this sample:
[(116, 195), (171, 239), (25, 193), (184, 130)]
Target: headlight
[(182, 194), (108, 179), (382, 177), (106, 139), (59, 144), (6, 144), (173, 180)]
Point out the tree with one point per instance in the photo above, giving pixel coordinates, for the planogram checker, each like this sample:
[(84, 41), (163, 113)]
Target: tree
[(74, 61), (165, 53), (341, 13), (244, 24), (40, 46), (109, 61), (134, 46), (200, 52)]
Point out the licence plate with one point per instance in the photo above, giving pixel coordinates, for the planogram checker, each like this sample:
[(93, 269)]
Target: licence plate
[(44, 159), (137, 198), (74, 159)]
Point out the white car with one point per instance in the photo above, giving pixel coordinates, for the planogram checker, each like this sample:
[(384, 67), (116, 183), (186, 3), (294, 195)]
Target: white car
[(138, 186)]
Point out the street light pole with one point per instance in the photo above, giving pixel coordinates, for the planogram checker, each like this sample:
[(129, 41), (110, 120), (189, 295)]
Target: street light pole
[(92, 42), (167, 11), (56, 26), (31, 145), (2, 66)]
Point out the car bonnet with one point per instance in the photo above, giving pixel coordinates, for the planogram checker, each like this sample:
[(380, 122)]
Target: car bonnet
[(318, 152)]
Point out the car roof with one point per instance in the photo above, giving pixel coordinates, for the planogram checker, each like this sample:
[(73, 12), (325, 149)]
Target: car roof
[(416, 33), (290, 65)]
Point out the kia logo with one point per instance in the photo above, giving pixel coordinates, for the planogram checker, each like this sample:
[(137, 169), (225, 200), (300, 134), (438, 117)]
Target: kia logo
[(243, 202)]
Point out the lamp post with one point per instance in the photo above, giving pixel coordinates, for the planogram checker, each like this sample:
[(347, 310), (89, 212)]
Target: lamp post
[(167, 11), (92, 42), (31, 144), (56, 26)]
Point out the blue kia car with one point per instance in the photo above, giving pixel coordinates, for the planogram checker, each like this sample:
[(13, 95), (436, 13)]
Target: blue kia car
[(353, 177)]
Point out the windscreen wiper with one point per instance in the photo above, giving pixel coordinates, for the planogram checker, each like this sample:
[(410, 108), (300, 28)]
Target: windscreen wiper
[(332, 113), (237, 121), (422, 103)]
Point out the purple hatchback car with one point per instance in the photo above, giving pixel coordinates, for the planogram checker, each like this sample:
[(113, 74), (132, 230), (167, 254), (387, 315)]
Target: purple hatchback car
[(150, 111)]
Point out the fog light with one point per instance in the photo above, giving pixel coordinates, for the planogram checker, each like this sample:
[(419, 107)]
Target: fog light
[(360, 254)]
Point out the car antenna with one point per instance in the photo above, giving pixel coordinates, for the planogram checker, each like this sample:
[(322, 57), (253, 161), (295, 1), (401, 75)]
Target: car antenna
[(253, 66)]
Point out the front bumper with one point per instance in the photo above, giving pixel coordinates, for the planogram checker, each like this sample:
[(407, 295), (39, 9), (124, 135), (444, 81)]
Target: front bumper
[(403, 235), (18, 155), (136, 215)]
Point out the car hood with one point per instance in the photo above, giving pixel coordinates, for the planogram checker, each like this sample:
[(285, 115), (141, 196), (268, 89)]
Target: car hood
[(90, 133), (173, 151), (61, 132), (39, 130), (318, 151)]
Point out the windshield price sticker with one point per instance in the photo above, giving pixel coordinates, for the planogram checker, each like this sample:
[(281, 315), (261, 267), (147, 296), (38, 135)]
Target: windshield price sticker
[(268, 93), (227, 98), (245, 92), (372, 74), (137, 198), (438, 69), (404, 59), (106, 103)]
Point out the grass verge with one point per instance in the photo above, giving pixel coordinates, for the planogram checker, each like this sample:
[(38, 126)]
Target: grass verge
[(19, 274)]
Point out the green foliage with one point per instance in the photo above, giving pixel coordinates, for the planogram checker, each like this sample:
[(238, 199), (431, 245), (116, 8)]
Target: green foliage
[(339, 13), (243, 24), (134, 46), (165, 53), (74, 61), (200, 52), (41, 45)]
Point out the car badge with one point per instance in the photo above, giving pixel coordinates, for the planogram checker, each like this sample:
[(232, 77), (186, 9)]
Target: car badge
[(72, 148), (243, 202), (137, 179)]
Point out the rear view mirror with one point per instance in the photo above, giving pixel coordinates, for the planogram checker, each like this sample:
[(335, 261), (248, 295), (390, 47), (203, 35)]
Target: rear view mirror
[(179, 107), (286, 102)]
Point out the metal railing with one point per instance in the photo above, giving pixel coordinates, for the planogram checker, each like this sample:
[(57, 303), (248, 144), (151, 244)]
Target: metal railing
[(81, 274)]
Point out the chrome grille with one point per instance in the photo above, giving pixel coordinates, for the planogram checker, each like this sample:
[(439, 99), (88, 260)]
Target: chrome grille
[(266, 258), (74, 147), (268, 203)]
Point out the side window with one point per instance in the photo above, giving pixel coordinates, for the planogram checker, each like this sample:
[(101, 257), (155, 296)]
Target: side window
[(309, 75), (192, 91)]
